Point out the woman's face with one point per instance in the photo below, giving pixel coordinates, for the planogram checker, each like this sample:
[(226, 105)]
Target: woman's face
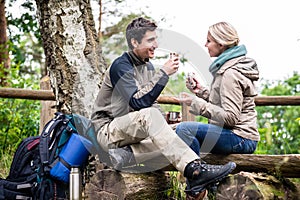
[(214, 48)]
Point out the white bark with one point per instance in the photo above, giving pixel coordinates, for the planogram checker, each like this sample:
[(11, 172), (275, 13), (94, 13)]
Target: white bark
[(73, 54)]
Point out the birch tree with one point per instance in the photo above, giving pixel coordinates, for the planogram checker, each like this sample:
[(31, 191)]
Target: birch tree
[(73, 53)]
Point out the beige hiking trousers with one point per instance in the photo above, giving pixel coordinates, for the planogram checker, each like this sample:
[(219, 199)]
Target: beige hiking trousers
[(149, 136)]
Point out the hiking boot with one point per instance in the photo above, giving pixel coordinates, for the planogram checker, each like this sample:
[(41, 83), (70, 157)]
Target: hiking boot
[(121, 157), (199, 176)]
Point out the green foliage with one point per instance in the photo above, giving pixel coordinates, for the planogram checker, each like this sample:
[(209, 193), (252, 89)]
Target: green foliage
[(25, 39), (19, 118), (176, 186), (6, 160), (279, 126), (290, 86)]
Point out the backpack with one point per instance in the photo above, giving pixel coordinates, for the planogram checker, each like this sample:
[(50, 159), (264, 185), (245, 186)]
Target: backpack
[(41, 164)]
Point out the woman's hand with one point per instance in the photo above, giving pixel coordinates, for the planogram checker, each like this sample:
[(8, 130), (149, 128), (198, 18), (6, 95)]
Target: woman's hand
[(193, 83), (185, 98)]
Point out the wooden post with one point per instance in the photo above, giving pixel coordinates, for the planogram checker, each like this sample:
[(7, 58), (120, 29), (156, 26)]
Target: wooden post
[(47, 107), (186, 115)]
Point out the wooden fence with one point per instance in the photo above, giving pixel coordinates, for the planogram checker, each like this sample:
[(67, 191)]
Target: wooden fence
[(48, 95)]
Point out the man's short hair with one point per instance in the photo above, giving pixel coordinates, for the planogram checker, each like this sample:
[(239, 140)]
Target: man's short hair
[(137, 29)]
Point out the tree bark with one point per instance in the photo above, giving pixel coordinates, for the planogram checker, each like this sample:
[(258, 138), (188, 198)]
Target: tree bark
[(110, 184), (73, 54), (106, 184), (244, 186), (4, 56)]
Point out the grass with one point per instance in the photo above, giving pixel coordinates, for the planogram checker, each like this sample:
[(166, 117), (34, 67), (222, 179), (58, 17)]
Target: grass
[(176, 186), (6, 160)]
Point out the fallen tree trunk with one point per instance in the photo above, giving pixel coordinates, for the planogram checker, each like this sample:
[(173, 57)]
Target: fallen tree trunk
[(262, 186), (254, 175), (110, 184), (279, 165)]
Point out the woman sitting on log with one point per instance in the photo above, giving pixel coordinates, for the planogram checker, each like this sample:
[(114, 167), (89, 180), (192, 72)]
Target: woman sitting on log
[(229, 105)]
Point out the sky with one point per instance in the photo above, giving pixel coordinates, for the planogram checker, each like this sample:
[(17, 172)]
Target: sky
[(270, 30)]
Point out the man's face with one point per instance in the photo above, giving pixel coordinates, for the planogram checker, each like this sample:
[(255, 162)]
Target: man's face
[(148, 44)]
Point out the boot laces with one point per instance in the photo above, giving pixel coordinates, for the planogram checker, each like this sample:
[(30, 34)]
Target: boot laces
[(207, 167)]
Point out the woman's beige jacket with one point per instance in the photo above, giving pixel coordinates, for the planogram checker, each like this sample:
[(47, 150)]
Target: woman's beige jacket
[(230, 101)]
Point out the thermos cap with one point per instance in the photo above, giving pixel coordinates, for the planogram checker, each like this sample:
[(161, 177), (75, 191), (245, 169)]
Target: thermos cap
[(75, 169)]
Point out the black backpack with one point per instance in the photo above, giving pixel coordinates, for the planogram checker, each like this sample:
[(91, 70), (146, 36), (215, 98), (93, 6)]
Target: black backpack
[(36, 157)]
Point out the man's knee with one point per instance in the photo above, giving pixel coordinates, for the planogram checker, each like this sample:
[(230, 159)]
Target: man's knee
[(152, 113), (151, 110)]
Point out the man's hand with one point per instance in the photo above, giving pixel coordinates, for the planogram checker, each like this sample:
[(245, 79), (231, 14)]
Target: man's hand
[(172, 65)]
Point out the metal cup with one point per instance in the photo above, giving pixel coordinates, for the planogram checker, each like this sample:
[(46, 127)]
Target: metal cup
[(173, 116)]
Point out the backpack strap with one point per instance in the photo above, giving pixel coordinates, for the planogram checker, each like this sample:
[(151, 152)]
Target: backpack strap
[(47, 135)]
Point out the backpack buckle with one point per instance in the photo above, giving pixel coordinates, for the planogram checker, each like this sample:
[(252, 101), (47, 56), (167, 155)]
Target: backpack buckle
[(45, 168)]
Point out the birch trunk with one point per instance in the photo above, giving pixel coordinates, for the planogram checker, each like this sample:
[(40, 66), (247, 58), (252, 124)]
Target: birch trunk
[(73, 54)]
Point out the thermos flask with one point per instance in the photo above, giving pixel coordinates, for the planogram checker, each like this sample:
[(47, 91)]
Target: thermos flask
[(75, 184)]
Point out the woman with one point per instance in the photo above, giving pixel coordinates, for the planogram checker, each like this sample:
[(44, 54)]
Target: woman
[(229, 105)]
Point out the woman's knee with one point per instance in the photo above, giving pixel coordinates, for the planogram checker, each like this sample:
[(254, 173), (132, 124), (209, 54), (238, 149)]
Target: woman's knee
[(187, 128), (245, 146), (182, 126)]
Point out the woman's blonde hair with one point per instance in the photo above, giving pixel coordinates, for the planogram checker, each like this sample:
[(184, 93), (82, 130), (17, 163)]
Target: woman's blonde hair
[(225, 34)]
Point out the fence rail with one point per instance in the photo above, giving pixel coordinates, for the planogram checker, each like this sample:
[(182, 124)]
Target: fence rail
[(48, 95)]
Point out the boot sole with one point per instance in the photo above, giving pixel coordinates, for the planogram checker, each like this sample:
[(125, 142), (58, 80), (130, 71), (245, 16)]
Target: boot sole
[(200, 188)]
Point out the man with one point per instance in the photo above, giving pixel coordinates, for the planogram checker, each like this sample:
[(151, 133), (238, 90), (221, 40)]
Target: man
[(127, 119)]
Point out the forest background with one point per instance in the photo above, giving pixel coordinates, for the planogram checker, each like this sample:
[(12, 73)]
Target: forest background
[(279, 126)]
